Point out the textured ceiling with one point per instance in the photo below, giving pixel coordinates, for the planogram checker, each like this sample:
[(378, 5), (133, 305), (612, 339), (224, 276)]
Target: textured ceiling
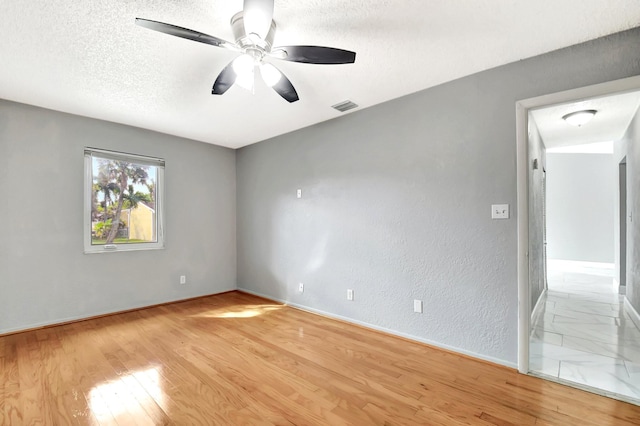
[(89, 58), (614, 113)]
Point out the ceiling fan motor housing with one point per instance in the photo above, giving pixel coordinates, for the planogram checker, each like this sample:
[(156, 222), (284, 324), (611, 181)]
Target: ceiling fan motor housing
[(251, 41)]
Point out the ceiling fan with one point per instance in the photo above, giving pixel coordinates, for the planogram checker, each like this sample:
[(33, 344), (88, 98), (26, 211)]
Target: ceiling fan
[(254, 30)]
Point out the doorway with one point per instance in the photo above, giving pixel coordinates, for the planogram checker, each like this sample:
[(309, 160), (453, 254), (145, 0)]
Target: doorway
[(580, 333), (531, 286)]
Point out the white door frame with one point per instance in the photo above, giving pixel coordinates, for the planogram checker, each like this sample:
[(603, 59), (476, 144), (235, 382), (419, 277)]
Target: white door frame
[(522, 140), (622, 225)]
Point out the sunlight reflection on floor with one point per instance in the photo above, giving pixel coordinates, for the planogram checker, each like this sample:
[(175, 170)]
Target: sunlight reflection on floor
[(120, 396), (247, 311)]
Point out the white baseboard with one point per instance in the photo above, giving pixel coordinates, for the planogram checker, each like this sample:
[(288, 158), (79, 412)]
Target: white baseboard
[(579, 266), (99, 314), (617, 288), (629, 309), (538, 309), (386, 330)]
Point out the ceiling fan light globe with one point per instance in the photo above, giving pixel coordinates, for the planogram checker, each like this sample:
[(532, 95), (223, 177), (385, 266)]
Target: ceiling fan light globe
[(258, 15), (270, 74), (245, 80), (243, 64), (578, 118), (256, 23)]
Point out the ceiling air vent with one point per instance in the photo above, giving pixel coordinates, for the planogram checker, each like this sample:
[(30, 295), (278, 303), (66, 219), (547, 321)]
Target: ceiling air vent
[(345, 106)]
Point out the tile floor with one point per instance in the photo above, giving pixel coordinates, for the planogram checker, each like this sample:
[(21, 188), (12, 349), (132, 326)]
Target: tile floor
[(583, 335)]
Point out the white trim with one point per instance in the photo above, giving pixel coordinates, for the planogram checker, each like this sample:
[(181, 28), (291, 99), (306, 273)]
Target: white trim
[(522, 140), (88, 189), (624, 85), (631, 311), (124, 156), (620, 289), (522, 179), (581, 266), (384, 330), (537, 310)]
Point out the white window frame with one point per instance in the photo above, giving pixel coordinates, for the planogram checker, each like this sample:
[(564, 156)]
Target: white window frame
[(89, 153)]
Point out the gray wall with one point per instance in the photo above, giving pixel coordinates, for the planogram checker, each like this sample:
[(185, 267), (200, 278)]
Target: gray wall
[(632, 142), (44, 275), (536, 176), (580, 206), (397, 199)]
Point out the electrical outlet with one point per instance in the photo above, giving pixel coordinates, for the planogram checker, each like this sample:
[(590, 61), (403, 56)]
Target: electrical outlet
[(300, 288), (183, 279), (349, 294), (500, 211), (417, 306)]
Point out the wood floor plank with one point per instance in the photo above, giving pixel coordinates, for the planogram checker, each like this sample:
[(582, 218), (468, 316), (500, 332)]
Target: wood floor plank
[(36, 407), (79, 384), (11, 401), (237, 359), (66, 399)]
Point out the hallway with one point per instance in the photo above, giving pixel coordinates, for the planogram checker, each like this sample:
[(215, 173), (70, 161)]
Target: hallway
[(582, 334)]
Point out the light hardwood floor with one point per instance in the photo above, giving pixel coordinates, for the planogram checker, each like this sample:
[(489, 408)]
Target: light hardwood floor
[(235, 359)]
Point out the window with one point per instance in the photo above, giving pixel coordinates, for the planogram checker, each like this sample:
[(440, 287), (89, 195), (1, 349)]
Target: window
[(123, 202)]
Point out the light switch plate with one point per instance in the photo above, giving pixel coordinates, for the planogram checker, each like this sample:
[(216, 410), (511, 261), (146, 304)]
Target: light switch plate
[(500, 211)]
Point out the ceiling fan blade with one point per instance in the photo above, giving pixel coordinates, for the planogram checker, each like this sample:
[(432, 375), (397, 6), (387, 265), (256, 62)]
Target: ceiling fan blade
[(285, 89), (257, 16), (316, 55), (225, 80), (184, 33)]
